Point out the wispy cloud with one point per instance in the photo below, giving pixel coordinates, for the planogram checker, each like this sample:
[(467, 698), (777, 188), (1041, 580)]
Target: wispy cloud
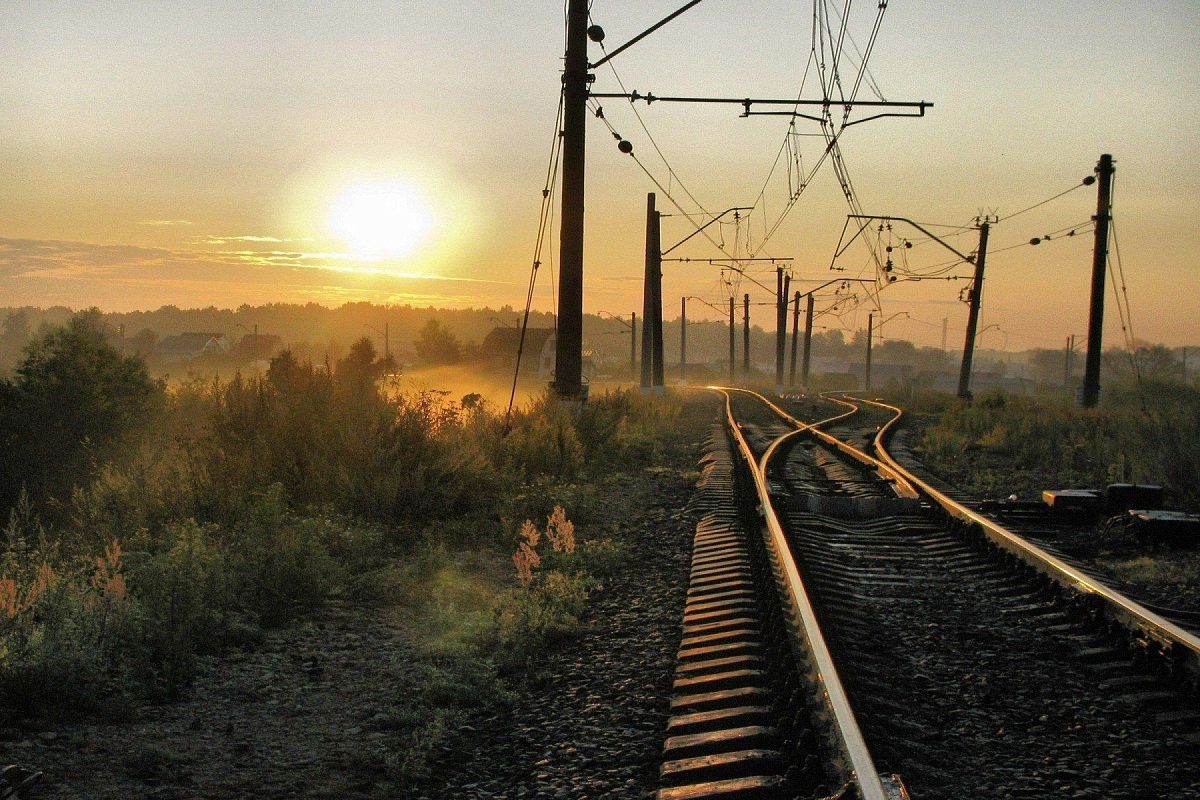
[(162, 223), (82, 273), (212, 239)]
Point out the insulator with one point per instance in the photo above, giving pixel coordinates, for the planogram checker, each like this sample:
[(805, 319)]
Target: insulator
[(1089, 180), (908, 245), (625, 146), (596, 33), (889, 248), (1035, 240)]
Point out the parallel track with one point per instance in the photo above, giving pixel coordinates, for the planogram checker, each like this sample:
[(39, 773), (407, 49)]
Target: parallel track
[(973, 662)]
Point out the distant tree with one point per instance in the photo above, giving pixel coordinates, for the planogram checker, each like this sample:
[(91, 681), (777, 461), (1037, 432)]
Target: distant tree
[(1154, 361), (933, 359), (143, 341), (1047, 365), (72, 398), (14, 337), (895, 351), (437, 345), (285, 373), (361, 367)]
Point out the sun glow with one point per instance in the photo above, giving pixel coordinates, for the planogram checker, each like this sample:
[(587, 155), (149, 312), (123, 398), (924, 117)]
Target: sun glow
[(381, 218)]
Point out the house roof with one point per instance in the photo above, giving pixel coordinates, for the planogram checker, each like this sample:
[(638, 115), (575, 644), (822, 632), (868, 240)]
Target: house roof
[(502, 342), (186, 343)]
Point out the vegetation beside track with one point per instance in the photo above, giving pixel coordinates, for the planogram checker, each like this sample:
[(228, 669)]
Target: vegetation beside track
[(164, 525), (1005, 444)]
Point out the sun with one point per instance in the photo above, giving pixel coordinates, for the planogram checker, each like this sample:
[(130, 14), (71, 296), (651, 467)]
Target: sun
[(381, 218)]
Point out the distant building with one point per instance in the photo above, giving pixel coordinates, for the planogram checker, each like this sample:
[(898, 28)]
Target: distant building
[(257, 347), (187, 346), (499, 351)]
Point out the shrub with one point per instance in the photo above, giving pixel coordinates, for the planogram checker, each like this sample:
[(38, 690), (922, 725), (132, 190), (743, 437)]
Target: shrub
[(278, 562)]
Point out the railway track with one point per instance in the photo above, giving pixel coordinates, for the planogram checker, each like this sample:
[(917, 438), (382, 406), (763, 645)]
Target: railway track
[(897, 632)]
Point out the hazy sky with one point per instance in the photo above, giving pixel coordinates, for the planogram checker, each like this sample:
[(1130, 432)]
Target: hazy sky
[(224, 153)]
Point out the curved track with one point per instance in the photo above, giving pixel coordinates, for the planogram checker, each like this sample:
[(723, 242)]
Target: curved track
[(939, 645)]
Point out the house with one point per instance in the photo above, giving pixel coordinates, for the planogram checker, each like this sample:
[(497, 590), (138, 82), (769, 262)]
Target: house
[(257, 347), (499, 351), (187, 346)]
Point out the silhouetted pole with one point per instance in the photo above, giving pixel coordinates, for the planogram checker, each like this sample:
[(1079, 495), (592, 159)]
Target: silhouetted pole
[(387, 342), (964, 374), (745, 338), (780, 326), (732, 343), (656, 270), (683, 340), (648, 299), (808, 320), (870, 331), (795, 338), (1091, 373), (568, 352)]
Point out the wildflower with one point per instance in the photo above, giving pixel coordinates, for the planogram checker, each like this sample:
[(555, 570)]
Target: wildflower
[(561, 531)]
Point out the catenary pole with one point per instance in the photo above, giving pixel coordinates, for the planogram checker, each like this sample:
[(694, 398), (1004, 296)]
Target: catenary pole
[(808, 325), (732, 343), (870, 334), (1091, 374), (682, 340), (746, 338), (655, 231), (648, 300), (795, 338), (964, 374), (568, 356)]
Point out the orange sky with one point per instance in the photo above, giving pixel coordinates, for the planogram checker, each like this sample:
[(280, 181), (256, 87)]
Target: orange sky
[(194, 154)]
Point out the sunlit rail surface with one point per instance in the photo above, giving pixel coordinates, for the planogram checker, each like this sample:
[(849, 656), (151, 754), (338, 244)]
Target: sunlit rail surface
[(972, 661)]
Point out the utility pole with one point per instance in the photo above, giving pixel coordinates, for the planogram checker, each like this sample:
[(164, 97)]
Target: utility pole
[(945, 328), (964, 375), (745, 338), (732, 343), (782, 285), (659, 377), (1091, 374), (387, 341), (682, 341), (808, 322), (568, 355), (648, 298), (870, 334), (795, 338)]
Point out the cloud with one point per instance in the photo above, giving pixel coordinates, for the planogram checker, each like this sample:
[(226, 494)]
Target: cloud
[(165, 222), (34, 271), (224, 240)]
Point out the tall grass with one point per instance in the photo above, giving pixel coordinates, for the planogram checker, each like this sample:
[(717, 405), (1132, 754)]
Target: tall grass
[(1147, 434), (246, 503)]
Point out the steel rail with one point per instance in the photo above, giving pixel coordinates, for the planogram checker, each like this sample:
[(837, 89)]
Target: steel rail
[(847, 740), (900, 484), (1125, 611)]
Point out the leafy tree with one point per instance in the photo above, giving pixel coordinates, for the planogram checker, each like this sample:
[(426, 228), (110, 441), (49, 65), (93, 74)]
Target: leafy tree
[(143, 341), (1047, 365), (1153, 361), (73, 397), (362, 367), (438, 345), (14, 337)]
